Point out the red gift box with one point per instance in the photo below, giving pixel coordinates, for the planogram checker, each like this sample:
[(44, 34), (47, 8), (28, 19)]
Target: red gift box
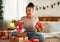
[(39, 25), (4, 38), (34, 40), (19, 26), (1, 34), (4, 34)]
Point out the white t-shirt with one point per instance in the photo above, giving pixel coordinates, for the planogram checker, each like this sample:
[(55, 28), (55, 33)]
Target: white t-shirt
[(29, 24)]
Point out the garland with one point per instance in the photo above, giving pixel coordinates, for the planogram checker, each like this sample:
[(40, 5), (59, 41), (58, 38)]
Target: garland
[(1, 17), (45, 7), (1, 11)]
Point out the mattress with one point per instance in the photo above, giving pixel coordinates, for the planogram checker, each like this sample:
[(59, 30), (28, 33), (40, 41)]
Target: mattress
[(50, 35)]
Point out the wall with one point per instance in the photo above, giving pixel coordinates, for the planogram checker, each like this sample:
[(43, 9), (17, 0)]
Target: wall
[(49, 11)]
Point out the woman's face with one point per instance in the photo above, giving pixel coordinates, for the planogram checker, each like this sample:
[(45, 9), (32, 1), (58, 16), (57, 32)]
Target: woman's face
[(29, 11)]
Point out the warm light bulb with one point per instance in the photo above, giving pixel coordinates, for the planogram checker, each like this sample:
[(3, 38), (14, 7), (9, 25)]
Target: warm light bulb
[(59, 20), (11, 24), (44, 19)]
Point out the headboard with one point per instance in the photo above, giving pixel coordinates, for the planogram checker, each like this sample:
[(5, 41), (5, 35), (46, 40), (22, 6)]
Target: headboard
[(44, 18)]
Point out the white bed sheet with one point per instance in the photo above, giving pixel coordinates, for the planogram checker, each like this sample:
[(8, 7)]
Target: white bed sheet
[(52, 34)]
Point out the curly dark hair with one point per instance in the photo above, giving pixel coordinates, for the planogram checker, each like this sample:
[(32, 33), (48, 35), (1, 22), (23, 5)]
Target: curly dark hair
[(30, 5)]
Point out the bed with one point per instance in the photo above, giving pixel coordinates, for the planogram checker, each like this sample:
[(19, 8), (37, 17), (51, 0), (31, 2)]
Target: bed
[(51, 31)]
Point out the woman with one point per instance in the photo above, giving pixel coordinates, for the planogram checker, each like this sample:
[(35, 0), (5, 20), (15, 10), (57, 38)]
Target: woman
[(29, 23)]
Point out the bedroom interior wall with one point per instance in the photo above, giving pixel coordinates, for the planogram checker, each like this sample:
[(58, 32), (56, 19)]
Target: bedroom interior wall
[(55, 11)]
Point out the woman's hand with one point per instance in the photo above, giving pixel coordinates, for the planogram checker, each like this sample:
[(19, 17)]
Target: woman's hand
[(39, 26), (38, 29)]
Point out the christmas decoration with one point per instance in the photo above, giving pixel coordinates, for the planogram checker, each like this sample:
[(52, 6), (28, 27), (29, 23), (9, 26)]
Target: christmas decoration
[(1, 17), (34, 40), (58, 3), (45, 7), (1, 11), (54, 3), (36, 8), (5, 34), (51, 6), (39, 26), (0, 2), (19, 26), (39, 7)]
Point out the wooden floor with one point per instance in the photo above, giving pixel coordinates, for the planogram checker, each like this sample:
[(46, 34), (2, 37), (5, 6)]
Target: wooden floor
[(46, 40), (4, 40)]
